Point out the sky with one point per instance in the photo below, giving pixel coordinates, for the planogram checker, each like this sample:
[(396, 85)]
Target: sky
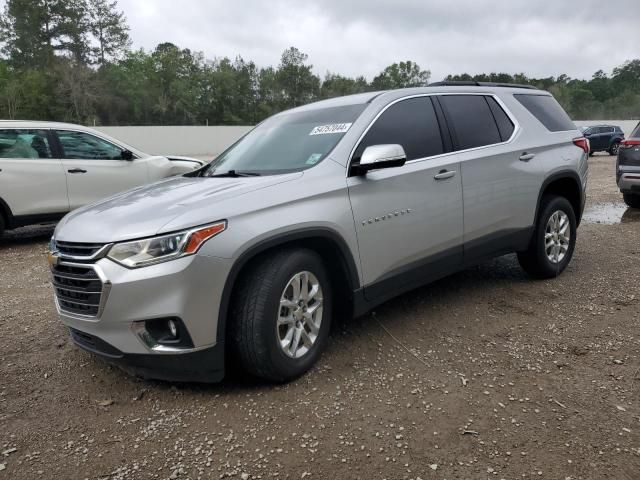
[(361, 37)]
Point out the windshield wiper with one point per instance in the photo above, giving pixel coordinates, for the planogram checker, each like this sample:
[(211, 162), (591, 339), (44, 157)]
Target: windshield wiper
[(236, 173)]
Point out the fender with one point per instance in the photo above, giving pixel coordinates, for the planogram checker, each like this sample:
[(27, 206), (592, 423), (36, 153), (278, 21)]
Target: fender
[(348, 264), (570, 174)]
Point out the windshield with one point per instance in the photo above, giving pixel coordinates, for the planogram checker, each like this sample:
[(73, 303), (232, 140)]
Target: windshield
[(287, 143)]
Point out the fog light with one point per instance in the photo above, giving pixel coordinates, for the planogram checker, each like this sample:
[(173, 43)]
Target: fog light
[(173, 329), (163, 334)]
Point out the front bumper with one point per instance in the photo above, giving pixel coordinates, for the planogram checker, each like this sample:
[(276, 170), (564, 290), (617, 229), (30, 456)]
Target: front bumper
[(189, 288), (205, 365)]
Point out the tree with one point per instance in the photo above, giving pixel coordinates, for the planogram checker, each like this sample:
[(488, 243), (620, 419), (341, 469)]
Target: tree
[(110, 30), (336, 86), (32, 30), (401, 75), (175, 81), (25, 31), (78, 91), (296, 80), (627, 76), (10, 91)]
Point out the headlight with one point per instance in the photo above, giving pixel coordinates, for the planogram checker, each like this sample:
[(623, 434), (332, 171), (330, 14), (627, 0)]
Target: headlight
[(149, 251)]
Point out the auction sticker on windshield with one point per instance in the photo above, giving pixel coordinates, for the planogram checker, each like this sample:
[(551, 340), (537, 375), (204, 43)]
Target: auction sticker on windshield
[(331, 128)]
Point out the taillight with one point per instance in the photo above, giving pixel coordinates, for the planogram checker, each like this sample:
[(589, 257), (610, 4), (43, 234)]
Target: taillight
[(629, 143), (583, 143)]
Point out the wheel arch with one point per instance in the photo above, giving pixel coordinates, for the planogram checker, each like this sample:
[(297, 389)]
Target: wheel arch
[(333, 249), (566, 184), (5, 213)]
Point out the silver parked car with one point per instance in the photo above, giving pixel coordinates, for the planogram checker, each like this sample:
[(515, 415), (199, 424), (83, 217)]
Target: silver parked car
[(332, 207)]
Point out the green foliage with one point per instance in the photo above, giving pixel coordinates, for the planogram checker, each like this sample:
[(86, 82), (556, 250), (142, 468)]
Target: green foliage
[(69, 60), (401, 75), (109, 28)]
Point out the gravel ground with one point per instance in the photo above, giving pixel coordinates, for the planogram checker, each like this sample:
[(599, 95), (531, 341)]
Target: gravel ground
[(485, 374)]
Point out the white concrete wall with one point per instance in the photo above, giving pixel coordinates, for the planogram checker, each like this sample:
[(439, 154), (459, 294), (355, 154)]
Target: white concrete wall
[(188, 141), (207, 142)]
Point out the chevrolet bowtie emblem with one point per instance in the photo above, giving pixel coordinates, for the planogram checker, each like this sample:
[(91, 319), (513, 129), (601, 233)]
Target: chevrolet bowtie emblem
[(53, 259)]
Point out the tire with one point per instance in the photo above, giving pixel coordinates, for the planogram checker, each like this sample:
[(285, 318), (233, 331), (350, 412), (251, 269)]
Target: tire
[(631, 199), (536, 259), (256, 335), (1, 224), (615, 147)]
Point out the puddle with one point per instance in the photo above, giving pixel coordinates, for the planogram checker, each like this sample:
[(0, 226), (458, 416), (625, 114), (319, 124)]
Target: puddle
[(610, 214)]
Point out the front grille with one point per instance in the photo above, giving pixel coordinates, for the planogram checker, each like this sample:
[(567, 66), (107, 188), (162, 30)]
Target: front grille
[(78, 289), (77, 249)]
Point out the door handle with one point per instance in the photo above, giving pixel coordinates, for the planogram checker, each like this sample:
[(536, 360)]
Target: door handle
[(525, 157), (444, 174), (77, 170)]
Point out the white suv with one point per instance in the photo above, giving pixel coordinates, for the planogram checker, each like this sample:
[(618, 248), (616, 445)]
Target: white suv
[(48, 169)]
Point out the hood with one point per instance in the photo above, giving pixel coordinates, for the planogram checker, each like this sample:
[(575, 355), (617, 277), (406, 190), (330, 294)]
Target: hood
[(143, 211)]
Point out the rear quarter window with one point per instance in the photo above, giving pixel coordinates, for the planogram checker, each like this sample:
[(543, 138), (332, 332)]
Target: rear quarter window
[(471, 120), (505, 125), (548, 111)]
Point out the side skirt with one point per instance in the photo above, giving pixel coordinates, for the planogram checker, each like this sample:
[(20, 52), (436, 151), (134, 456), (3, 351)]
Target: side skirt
[(436, 267), (23, 220)]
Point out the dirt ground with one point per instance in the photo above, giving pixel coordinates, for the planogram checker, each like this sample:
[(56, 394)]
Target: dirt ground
[(483, 375)]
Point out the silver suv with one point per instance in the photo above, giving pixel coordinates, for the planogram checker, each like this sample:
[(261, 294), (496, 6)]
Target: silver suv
[(330, 207)]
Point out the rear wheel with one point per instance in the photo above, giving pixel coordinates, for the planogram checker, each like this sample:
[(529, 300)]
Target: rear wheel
[(615, 147), (553, 241), (631, 199), (281, 314), (1, 224)]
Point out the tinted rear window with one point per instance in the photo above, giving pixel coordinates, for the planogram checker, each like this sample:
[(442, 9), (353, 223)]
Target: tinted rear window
[(471, 120), (636, 131), (547, 111)]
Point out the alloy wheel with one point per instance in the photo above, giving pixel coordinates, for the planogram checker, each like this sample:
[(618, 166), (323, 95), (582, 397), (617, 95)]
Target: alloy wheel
[(300, 314), (557, 236)]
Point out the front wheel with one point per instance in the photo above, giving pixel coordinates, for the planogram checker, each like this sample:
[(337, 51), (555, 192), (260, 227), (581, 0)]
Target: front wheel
[(281, 314), (633, 200), (553, 241)]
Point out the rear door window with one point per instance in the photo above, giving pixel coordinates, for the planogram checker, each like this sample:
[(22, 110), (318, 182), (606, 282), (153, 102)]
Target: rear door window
[(470, 118), (24, 143), (411, 123), (548, 111)]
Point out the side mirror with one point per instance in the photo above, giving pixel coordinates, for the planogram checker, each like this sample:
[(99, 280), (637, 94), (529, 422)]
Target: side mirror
[(127, 155), (375, 157)]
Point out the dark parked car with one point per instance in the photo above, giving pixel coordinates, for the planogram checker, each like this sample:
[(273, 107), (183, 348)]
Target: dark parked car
[(628, 168), (604, 138)]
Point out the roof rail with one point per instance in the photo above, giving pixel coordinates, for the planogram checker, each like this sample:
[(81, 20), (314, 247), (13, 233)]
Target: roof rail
[(472, 83)]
